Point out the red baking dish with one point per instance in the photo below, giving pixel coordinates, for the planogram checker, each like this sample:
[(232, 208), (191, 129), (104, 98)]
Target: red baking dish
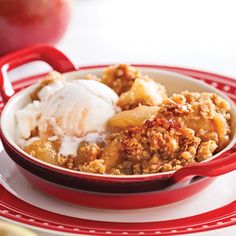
[(106, 191)]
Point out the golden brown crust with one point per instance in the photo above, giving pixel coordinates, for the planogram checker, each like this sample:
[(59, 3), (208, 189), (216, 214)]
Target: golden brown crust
[(206, 113), (97, 167), (156, 146), (87, 152), (120, 77)]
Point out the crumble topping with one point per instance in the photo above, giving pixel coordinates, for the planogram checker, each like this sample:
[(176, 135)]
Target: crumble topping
[(147, 131)]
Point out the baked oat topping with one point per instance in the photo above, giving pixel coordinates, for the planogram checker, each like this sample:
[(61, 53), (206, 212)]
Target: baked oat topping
[(120, 77), (149, 133)]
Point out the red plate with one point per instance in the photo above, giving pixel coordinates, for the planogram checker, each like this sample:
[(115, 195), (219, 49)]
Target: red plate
[(17, 210)]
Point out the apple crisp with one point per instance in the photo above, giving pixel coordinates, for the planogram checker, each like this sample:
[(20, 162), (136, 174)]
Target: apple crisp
[(146, 131)]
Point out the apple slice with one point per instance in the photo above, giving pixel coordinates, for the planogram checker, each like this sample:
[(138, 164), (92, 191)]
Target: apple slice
[(131, 118)]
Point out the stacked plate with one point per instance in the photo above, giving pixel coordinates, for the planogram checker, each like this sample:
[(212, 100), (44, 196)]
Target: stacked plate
[(212, 208)]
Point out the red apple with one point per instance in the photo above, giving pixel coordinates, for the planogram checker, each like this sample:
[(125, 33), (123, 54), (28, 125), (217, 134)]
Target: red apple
[(27, 22)]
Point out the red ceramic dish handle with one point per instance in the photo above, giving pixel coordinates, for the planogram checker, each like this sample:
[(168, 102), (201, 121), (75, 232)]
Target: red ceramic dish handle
[(221, 166), (56, 59)]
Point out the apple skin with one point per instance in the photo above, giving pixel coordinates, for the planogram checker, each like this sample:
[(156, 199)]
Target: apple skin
[(27, 22)]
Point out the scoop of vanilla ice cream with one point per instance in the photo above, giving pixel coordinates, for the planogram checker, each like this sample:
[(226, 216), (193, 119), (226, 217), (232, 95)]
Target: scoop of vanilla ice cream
[(80, 107), (50, 89), (27, 119)]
